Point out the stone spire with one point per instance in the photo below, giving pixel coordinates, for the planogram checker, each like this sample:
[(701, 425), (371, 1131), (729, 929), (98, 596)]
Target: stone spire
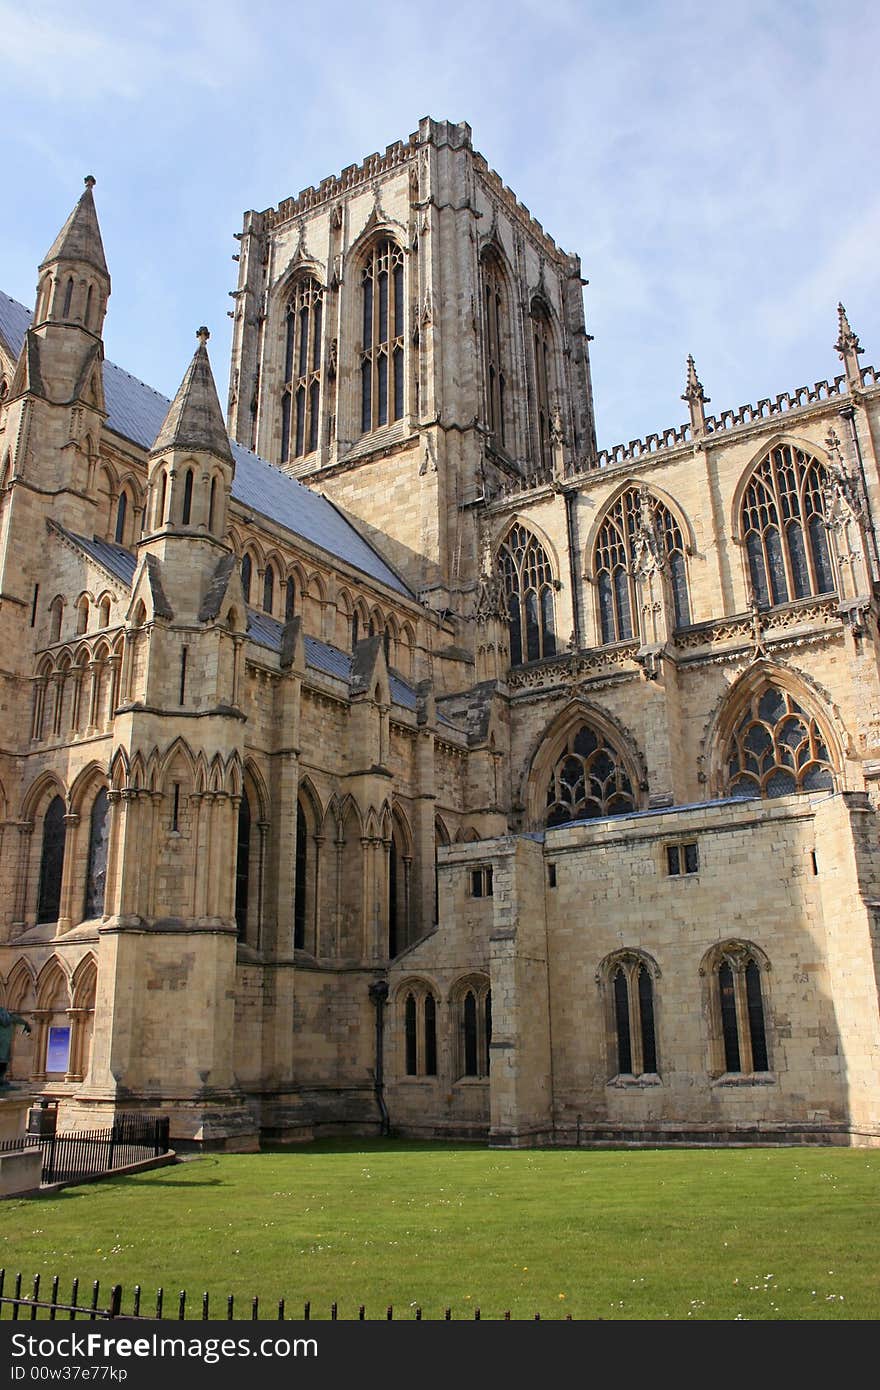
[(849, 349), (80, 238), (696, 398), (195, 420)]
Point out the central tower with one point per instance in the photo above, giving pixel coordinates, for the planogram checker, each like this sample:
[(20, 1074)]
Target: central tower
[(409, 340)]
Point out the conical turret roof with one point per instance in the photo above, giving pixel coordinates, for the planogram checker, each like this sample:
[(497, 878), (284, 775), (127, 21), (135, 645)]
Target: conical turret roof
[(80, 237), (195, 420)]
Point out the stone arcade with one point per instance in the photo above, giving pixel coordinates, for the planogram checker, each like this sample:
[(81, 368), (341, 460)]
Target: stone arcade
[(394, 680)]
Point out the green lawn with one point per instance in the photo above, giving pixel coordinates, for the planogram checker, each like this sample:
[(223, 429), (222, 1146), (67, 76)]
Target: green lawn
[(746, 1233)]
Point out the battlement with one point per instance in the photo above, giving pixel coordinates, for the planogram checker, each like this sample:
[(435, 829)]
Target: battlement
[(336, 184), (457, 135), (675, 437), (513, 205)]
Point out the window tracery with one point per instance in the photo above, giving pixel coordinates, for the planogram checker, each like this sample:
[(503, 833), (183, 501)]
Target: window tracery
[(783, 527), (494, 313), (300, 401), (614, 565), (419, 1030), (776, 749), (632, 1014), (382, 352), (528, 582), (588, 781), (473, 1009), (542, 347), (740, 1034)]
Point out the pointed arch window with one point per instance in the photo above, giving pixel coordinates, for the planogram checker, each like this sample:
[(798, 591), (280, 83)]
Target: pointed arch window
[(614, 560), (782, 522), (121, 512), (52, 861), (96, 874), (289, 600), (632, 1000), (186, 511), (301, 872), (300, 401), (588, 781), (246, 574), (738, 1021), (494, 343), (268, 589), (382, 350), (542, 349), (528, 581), (419, 1030), (474, 1017), (776, 749)]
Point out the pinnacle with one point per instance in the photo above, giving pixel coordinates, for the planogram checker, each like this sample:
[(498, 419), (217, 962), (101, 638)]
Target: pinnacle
[(80, 237), (195, 420), (693, 390)]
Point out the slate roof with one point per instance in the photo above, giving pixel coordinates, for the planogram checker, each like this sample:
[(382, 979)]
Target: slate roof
[(261, 629), (137, 412)]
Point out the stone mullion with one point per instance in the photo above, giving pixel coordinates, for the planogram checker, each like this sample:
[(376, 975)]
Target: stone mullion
[(39, 706), (284, 854), (25, 845), (41, 1019), (201, 847), (127, 673), (65, 901), (368, 897), (95, 679), (263, 827), (637, 1060), (339, 844), (744, 1032), (407, 891), (316, 901)]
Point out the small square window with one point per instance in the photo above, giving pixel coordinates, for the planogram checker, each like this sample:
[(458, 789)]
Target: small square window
[(481, 883), (551, 875), (682, 859)]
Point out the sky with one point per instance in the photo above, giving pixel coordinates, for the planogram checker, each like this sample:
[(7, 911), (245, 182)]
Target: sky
[(714, 165)]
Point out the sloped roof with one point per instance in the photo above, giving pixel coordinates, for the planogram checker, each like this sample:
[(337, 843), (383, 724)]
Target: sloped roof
[(137, 412), (195, 420), (80, 237), (261, 629)]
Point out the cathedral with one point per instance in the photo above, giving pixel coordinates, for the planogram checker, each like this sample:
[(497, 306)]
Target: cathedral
[(386, 757)]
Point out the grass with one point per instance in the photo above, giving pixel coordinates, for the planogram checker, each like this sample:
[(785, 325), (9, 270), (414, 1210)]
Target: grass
[(645, 1234)]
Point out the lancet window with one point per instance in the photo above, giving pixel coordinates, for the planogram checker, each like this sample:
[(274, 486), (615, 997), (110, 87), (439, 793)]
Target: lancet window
[(420, 1031), (783, 527), (542, 346), (494, 313), (776, 748), (382, 354), (301, 398), (632, 994), (588, 781), (614, 559), (527, 577), (738, 1010)]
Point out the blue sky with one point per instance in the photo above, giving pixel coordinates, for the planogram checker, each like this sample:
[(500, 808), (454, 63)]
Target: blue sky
[(714, 165)]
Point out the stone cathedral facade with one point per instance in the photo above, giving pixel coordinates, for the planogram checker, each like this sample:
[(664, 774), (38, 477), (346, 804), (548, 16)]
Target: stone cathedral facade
[(387, 755)]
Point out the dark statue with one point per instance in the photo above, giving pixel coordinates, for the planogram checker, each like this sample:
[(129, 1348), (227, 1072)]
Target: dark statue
[(8, 1021)]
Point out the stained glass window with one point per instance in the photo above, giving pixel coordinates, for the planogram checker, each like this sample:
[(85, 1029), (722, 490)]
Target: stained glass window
[(300, 400), (588, 781), (527, 578), (783, 527), (52, 861), (613, 561), (382, 354)]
